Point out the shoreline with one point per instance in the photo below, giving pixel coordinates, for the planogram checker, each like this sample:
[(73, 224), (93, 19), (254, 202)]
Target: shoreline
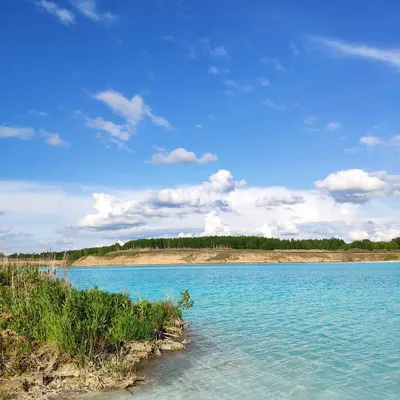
[(177, 257), (57, 342), (65, 378)]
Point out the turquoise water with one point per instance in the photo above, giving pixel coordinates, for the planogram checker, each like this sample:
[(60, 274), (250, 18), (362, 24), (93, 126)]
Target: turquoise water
[(310, 331)]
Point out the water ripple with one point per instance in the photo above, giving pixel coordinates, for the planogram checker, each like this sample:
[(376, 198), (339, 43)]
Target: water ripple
[(274, 331)]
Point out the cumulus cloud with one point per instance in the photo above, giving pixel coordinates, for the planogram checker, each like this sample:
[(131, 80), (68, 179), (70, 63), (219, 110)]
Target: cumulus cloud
[(89, 9), (182, 156), (277, 200), (112, 214), (219, 205), (17, 132), (177, 198), (223, 182), (353, 186), (213, 225), (53, 139), (65, 16)]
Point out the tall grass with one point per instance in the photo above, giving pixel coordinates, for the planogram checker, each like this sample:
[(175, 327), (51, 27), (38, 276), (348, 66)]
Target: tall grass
[(81, 323)]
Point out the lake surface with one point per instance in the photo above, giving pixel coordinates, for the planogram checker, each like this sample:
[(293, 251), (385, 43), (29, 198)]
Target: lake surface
[(310, 331)]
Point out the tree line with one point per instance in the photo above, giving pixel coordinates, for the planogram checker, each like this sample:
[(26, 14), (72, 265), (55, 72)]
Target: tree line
[(219, 242)]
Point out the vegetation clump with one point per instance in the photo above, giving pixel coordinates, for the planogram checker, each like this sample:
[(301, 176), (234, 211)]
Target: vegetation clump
[(43, 316)]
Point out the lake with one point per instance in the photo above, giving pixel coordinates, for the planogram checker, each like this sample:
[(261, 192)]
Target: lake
[(308, 331)]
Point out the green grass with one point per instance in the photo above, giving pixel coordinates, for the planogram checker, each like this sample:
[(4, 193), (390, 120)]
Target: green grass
[(82, 324)]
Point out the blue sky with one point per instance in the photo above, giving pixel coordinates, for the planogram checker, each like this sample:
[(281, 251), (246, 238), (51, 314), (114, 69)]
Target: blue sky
[(128, 98)]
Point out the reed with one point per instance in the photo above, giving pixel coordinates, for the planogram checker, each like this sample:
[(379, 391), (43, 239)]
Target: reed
[(43, 309)]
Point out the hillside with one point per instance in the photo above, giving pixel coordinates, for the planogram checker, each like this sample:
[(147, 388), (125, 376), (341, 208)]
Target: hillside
[(209, 256)]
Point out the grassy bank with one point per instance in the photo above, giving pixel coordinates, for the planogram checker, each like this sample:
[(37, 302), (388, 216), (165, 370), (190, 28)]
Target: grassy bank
[(45, 323)]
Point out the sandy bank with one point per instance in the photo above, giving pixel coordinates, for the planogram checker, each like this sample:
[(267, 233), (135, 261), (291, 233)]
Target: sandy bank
[(206, 256)]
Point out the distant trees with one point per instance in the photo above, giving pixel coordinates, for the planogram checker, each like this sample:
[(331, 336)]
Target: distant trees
[(221, 242)]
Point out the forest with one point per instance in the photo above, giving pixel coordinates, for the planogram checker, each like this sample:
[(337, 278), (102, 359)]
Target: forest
[(218, 242)]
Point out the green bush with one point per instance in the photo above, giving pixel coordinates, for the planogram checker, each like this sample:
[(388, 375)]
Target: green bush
[(81, 323)]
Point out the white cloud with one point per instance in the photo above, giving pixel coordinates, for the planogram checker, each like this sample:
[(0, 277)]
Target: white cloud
[(269, 103), (219, 51), (41, 210), (53, 139), (112, 214), (275, 62), (133, 111), (65, 16), (353, 179), (89, 9), (232, 87), (214, 70), (222, 182), (215, 51), (60, 242), (280, 199), (182, 156), (294, 49), (310, 120), (389, 56), (352, 186), (199, 126), (370, 141), (17, 132), (213, 225), (221, 205), (396, 140), (358, 235), (38, 113), (333, 126), (121, 132)]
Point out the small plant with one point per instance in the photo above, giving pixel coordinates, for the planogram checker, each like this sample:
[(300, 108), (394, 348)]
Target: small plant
[(185, 302)]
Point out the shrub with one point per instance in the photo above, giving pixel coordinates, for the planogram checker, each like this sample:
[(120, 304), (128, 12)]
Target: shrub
[(81, 323)]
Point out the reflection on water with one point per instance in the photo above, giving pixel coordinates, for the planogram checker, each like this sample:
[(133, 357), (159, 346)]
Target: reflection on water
[(273, 331)]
